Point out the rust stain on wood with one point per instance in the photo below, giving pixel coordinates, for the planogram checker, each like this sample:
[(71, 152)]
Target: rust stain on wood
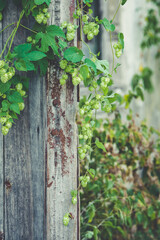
[(1, 236), (60, 138), (49, 184), (8, 184)]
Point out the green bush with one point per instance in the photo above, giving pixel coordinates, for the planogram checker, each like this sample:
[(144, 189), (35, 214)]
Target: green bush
[(122, 201)]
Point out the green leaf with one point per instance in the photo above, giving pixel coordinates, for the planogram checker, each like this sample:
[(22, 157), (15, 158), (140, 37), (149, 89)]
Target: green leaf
[(24, 57), (2, 4), (43, 66), (139, 216), (135, 81), (13, 115), (4, 87), (20, 65), (48, 39), (62, 44), (91, 64), (146, 78), (15, 98), (73, 54), (74, 193), (3, 114), (35, 56), (91, 213), (15, 108), (39, 2), (96, 231), (100, 145), (102, 66), (123, 2), (28, 5), (5, 105), (140, 93), (84, 70), (121, 39), (150, 211), (108, 25), (92, 172), (109, 184)]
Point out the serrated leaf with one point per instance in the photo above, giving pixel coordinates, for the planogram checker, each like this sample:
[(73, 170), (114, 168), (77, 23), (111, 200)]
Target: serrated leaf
[(73, 54), (91, 64), (108, 25), (100, 145), (24, 57), (102, 66), (5, 105), (39, 2), (28, 5), (4, 87), (48, 39), (62, 44), (15, 108), (15, 97)]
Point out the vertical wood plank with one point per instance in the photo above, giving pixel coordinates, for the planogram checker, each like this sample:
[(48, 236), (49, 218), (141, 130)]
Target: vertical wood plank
[(18, 201), (24, 158), (1, 167), (37, 120), (62, 142)]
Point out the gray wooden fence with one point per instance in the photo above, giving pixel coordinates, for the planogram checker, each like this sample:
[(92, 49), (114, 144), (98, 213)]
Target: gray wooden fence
[(38, 158)]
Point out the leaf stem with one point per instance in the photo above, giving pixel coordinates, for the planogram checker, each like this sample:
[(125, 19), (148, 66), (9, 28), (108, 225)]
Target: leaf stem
[(28, 28), (110, 35), (7, 42), (18, 23), (7, 27), (116, 11)]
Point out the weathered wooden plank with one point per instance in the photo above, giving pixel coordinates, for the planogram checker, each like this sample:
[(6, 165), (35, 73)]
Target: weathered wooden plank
[(24, 160), (1, 165), (62, 143), (37, 119), (18, 198)]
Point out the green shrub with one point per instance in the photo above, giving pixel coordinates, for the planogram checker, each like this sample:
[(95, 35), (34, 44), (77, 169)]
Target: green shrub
[(122, 201)]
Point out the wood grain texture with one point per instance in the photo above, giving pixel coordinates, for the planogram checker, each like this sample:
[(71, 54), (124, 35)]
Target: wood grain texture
[(62, 143), (18, 198), (24, 158), (40, 152)]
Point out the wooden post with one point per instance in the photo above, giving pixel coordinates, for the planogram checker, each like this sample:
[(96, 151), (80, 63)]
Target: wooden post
[(61, 146), (38, 158)]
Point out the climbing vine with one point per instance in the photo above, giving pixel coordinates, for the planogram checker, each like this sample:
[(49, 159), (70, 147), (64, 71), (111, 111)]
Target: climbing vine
[(52, 42), (142, 81)]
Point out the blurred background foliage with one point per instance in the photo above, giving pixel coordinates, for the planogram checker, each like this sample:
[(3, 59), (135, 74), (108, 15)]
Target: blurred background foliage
[(122, 200)]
